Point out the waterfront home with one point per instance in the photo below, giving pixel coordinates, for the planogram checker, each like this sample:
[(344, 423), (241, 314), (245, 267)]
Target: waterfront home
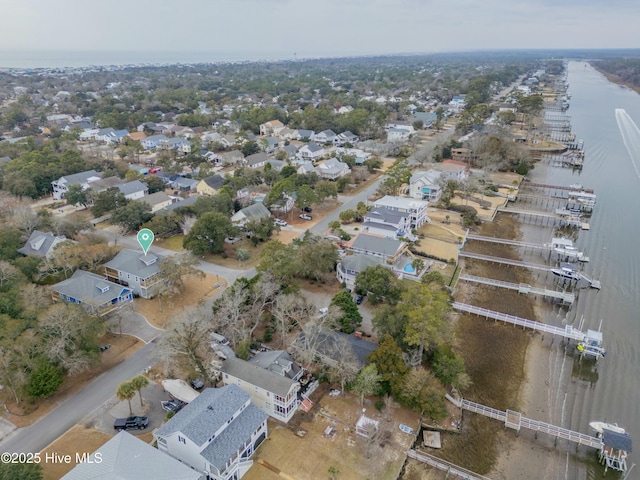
[(92, 292), (272, 382), (387, 223), (139, 272), (216, 433), (328, 346), (117, 459), (84, 179), (417, 209), (388, 249)]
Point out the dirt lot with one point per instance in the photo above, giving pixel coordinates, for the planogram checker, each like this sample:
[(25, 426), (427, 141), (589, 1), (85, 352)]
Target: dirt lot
[(196, 290), (342, 449), (27, 413)]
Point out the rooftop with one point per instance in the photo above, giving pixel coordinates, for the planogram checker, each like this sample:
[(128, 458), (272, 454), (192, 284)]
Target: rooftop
[(258, 376), (135, 262)]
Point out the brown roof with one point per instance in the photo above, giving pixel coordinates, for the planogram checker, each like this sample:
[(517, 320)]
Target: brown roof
[(137, 135)]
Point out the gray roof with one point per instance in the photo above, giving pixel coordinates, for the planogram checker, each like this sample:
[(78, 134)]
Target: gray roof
[(182, 203), (382, 226), (326, 345), (233, 155), (386, 215), (185, 182), (382, 245), (332, 165), (314, 147), (222, 448), (81, 177), (276, 164), (277, 361), (105, 183), (258, 376), (306, 133), (208, 413), (359, 263), (290, 149), (85, 286), (155, 198), (136, 263), (124, 457), (256, 158), (216, 181), (133, 187), (256, 211), (40, 243)]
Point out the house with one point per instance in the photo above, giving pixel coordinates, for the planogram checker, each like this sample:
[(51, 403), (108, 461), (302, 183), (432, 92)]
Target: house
[(216, 434), (377, 246), (305, 167), (427, 118), (92, 292), (157, 201), (311, 151), (276, 165), (41, 244), (181, 145), (426, 185), (462, 156), (284, 204), (351, 265), (387, 223), (417, 209), (139, 272), (133, 190), (234, 157), (452, 171), (106, 183), (61, 185), (457, 103), (291, 151), (360, 155), (329, 346), (326, 136), (271, 385), (153, 141), (287, 134), (347, 137), (257, 160), (398, 135), (184, 184), (332, 169), (269, 144), (210, 185), (256, 211), (304, 135), (507, 107), (271, 128), (121, 458)]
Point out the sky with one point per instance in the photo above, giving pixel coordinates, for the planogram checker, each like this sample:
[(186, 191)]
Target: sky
[(255, 29)]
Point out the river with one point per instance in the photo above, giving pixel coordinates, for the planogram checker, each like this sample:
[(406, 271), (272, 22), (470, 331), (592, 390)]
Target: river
[(604, 115)]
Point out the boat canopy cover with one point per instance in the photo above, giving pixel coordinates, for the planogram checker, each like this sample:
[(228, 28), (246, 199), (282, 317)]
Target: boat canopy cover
[(621, 441)]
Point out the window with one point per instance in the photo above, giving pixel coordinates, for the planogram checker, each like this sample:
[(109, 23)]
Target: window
[(182, 440)]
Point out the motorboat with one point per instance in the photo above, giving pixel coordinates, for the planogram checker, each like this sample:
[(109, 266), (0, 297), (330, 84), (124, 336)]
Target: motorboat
[(612, 427), (566, 270)]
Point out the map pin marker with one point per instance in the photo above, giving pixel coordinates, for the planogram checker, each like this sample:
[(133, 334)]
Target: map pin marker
[(145, 239)]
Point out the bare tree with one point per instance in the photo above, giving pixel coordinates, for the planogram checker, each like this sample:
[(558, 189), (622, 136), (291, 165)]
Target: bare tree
[(26, 219), (290, 310), (187, 223), (345, 366), (7, 272)]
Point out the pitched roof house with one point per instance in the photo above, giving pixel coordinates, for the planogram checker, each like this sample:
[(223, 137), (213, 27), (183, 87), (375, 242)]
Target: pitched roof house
[(120, 459), (41, 244), (216, 433), (256, 211), (233, 157), (328, 346), (157, 201), (386, 222), (139, 272), (61, 185), (351, 265), (271, 382), (272, 127), (332, 169), (210, 185), (257, 160), (311, 151), (92, 292), (326, 136), (377, 246), (426, 185), (133, 190), (417, 209)]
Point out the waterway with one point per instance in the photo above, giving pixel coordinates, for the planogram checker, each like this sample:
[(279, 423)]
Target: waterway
[(606, 116)]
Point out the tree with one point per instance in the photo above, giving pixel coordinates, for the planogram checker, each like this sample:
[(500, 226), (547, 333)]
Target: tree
[(138, 383), (379, 284), (45, 379), (173, 270), (77, 195), (250, 147), (305, 197), (367, 382), (155, 184), (132, 215), (290, 310), (449, 368), (351, 318), (126, 391), (242, 255), (260, 230), (8, 273), (326, 189), (425, 306), (390, 364), (276, 258), (208, 233), (344, 367), (316, 258), (389, 320), (22, 471), (422, 392), (334, 225), (347, 216), (107, 201), (417, 264)]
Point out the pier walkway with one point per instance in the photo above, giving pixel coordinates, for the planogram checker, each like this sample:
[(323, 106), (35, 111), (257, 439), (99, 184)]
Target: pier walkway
[(505, 261), (563, 215), (505, 241), (568, 331), (453, 471), (526, 183), (516, 421), (523, 288)]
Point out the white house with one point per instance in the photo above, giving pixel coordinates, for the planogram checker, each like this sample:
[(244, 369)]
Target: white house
[(152, 141), (326, 136), (348, 137), (272, 380), (385, 248), (351, 265), (256, 211), (61, 185), (457, 103), (311, 151), (133, 190), (426, 185), (41, 244), (302, 134), (257, 160), (305, 167), (387, 223), (215, 434), (416, 209), (272, 127), (332, 169), (452, 171), (398, 135)]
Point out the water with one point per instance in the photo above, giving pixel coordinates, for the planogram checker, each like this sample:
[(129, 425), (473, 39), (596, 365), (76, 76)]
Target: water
[(605, 116)]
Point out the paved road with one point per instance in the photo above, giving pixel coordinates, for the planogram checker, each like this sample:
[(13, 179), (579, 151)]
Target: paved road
[(68, 413)]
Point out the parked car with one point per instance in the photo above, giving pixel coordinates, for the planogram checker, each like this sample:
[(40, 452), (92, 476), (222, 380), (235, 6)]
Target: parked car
[(282, 223), (305, 216), (307, 209), (219, 339), (172, 405), (197, 384), (359, 298), (131, 422)]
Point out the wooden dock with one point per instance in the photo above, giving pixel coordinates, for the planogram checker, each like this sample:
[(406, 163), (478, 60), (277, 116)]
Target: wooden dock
[(453, 471), (523, 288)]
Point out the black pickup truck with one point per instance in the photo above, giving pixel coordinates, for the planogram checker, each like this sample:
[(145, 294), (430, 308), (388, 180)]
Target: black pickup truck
[(130, 423)]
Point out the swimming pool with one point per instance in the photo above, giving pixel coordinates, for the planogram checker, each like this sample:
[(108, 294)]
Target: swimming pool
[(409, 268)]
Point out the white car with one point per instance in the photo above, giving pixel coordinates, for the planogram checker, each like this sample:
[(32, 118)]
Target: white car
[(282, 223)]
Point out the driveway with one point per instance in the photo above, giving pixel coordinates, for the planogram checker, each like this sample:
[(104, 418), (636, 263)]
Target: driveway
[(128, 322)]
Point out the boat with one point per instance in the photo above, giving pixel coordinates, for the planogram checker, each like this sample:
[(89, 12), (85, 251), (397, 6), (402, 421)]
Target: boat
[(566, 270), (612, 427), (571, 252)]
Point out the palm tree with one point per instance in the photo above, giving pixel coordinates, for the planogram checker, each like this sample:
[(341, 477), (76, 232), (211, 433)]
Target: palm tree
[(418, 265), (138, 383), (126, 391)]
